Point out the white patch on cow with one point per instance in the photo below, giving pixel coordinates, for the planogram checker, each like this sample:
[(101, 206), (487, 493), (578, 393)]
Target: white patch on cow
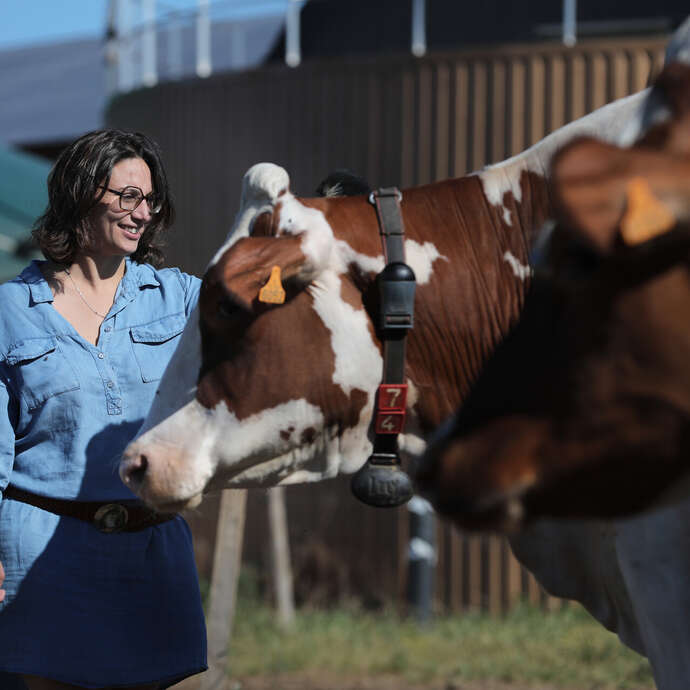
[(247, 452), (345, 256), (420, 258), (605, 123), (358, 363), (262, 185), (411, 444), (317, 241), (519, 270)]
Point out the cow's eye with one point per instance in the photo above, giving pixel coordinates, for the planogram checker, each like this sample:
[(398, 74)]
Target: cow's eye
[(227, 308)]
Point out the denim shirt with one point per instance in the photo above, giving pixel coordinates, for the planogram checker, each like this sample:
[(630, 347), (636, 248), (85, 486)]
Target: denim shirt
[(68, 408)]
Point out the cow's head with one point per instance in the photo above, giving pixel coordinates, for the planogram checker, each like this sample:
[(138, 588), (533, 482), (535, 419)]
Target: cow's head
[(261, 393), (585, 408)]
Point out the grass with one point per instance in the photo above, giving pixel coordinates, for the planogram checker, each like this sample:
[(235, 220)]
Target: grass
[(564, 648)]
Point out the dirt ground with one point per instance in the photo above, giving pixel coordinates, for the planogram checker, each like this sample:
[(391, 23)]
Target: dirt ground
[(322, 681)]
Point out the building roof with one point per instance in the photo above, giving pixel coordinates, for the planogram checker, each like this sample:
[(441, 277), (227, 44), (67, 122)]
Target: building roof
[(23, 197), (53, 93)]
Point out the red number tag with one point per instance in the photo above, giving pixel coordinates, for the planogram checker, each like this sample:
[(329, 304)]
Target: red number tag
[(392, 396), (390, 408), (389, 422)]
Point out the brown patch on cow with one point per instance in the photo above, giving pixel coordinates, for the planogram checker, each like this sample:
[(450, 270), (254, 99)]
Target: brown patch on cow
[(263, 225), (285, 434), (245, 267), (307, 436)]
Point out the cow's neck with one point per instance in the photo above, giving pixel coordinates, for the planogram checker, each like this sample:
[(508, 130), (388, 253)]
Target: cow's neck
[(485, 224), (476, 288)]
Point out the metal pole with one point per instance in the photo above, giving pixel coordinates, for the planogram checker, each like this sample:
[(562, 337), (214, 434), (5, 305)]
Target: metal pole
[(421, 558), (149, 75), (203, 40), (238, 46), (418, 27), (281, 569), (227, 561), (175, 47), (112, 50), (293, 54), (126, 82), (569, 22)]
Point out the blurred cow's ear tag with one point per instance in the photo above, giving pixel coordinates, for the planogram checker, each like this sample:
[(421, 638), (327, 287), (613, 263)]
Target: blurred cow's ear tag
[(273, 292), (645, 216)]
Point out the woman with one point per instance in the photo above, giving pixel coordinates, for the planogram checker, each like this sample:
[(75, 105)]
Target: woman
[(99, 591)]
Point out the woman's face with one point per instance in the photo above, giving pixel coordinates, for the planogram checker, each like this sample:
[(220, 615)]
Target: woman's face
[(113, 231)]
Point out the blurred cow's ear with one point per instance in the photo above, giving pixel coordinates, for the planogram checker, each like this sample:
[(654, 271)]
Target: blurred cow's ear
[(645, 216), (588, 191)]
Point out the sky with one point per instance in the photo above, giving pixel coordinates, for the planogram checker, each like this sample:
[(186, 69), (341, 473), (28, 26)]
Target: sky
[(27, 22)]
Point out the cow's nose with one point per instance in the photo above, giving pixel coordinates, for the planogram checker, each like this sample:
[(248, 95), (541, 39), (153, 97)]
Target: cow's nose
[(133, 471)]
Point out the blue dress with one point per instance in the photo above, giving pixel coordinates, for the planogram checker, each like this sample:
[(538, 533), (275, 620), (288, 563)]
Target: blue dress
[(82, 606)]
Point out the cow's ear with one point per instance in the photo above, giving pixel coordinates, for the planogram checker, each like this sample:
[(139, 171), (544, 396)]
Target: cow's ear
[(583, 186), (599, 198), (255, 266), (645, 215)]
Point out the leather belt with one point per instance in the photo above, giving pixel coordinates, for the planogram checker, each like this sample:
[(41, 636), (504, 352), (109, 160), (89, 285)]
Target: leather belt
[(106, 517)]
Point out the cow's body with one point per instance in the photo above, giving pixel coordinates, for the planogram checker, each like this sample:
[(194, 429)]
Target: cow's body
[(286, 393)]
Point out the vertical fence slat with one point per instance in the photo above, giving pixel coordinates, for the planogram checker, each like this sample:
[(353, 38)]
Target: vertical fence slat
[(442, 125), (537, 99), (578, 92), (479, 112), (474, 572), (517, 107), (557, 93), (498, 111), (425, 121), (460, 158)]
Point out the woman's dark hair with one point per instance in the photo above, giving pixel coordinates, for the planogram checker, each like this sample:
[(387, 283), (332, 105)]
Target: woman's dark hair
[(74, 189)]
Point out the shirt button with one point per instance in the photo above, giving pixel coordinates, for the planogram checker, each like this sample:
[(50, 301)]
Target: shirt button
[(110, 384), (108, 329), (100, 355)]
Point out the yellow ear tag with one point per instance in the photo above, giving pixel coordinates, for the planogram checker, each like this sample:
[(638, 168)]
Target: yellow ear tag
[(273, 292), (645, 216)]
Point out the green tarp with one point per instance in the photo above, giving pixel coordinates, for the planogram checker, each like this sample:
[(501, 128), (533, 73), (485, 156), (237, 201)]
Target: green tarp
[(23, 197)]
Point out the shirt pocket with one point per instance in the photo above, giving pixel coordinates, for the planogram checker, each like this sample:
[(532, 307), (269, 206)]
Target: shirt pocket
[(154, 343), (40, 370)]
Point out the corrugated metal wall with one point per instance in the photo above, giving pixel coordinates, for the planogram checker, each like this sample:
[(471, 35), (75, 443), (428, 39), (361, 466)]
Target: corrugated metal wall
[(396, 121)]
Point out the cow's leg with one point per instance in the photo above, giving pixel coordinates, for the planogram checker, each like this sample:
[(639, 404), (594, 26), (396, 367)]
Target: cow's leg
[(654, 557)]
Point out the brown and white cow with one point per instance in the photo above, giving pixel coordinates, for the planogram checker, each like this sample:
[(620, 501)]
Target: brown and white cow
[(593, 418), (285, 393), (261, 394)]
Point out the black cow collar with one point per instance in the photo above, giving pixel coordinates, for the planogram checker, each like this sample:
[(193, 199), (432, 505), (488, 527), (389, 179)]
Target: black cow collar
[(381, 482)]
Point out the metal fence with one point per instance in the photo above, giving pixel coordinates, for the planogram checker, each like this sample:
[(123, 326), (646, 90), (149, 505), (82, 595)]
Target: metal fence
[(397, 121)]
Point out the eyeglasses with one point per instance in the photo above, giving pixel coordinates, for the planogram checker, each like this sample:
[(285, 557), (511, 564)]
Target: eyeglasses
[(131, 197)]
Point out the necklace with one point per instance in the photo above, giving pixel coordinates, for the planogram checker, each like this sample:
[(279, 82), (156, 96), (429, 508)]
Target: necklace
[(83, 299)]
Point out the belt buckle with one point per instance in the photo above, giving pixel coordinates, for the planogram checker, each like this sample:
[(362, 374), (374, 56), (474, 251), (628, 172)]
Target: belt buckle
[(111, 517)]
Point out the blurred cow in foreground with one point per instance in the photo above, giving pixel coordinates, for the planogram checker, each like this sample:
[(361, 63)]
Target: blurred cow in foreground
[(585, 408)]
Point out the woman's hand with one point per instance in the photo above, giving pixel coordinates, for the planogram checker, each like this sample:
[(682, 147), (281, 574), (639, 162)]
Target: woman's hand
[(2, 577)]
